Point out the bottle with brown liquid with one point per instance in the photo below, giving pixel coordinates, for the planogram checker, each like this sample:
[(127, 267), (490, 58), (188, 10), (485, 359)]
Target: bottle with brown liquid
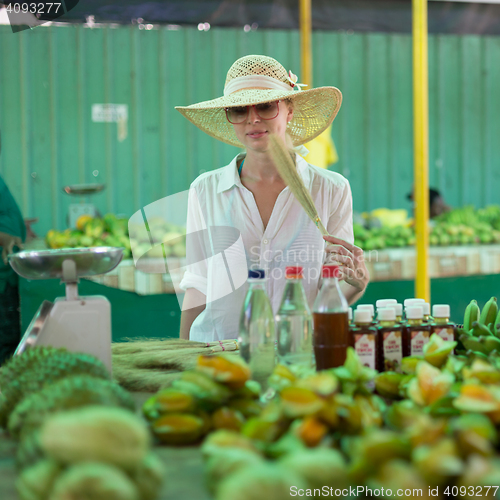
[(364, 338), (416, 333), (442, 324), (331, 323), (391, 340)]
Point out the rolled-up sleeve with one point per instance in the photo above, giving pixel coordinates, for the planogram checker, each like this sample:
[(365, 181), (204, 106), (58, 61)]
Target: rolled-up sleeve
[(195, 275)]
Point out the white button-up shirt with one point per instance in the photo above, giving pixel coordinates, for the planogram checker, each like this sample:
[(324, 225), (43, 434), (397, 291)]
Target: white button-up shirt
[(226, 237)]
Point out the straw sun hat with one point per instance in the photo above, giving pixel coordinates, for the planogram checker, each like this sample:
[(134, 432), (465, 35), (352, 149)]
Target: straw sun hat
[(258, 79)]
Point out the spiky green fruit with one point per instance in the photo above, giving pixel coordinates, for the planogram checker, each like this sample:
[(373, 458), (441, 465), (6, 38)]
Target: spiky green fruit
[(42, 367), (67, 393)]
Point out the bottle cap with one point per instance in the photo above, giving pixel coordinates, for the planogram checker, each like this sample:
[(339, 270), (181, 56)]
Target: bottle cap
[(415, 312), (399, 309), (362, 316), (427, 308), (386, 314), (330, 271), (369, 307), (256, 274), (385, 302), (441, 311), (349, 313), (410, 302), (294, 272)]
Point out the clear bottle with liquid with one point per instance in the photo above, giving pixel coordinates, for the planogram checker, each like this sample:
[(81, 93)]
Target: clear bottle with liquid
[(331, 322), (442, 324), (294, 322), (257, 332)]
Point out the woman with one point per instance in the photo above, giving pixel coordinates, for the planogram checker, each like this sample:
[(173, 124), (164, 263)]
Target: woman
[(243, 216)]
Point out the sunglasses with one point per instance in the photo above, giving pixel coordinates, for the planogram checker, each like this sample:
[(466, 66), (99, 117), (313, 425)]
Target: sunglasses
[(265, 111)]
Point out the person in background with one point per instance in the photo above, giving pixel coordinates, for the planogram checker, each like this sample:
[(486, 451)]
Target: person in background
[(12, 235), (437, 205)]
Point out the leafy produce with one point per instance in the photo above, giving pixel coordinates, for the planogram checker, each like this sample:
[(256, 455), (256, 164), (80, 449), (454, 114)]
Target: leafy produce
[(168, 239), (384, 228)]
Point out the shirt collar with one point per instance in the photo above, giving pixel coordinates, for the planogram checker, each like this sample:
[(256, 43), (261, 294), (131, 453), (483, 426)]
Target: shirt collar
[(229, 176)]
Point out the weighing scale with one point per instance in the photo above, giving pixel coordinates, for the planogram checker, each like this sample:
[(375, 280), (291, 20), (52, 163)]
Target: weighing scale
[(76, 210), (80, 324)]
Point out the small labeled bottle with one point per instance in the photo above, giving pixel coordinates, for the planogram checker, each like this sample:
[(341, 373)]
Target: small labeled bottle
[(349, 316), (442, 325), (257, 329), (381, 303), (364, 338), (294, 322), (369, 307), (331, 322), (416, 333), (427, 312), (391, 340), (399, 312)]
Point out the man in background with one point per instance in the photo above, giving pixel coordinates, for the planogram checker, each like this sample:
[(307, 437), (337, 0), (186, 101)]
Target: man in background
[(437, 205), (12, 234)]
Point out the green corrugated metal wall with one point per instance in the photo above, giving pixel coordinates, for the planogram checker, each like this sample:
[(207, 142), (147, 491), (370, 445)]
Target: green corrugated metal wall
[(50, 77)]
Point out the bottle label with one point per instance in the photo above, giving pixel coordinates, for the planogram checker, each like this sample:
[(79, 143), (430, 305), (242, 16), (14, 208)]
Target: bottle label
[(418, 340), (365, 349), (393, 351), (445, 333)]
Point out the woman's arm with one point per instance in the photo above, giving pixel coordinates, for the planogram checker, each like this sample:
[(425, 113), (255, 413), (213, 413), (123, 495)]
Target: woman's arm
[(193, 305)]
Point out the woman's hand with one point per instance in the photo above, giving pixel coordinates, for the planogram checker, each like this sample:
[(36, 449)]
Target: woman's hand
[(8, 242), (350, 260)]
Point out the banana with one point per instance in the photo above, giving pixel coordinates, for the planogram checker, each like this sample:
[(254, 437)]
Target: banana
[(490, 343), (480, 330), (473, 344), (489, 312), (471, 315), (497, 321)]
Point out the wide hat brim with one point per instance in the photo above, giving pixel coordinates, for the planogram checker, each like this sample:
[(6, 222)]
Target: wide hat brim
[(314, 111)]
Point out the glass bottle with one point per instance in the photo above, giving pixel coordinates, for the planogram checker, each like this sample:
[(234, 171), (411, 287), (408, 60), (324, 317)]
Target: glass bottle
[(369, 307), (294, 322), (391, 340), (331, 323), (442, 324), (257, 329), (417, 332), (364, 338)]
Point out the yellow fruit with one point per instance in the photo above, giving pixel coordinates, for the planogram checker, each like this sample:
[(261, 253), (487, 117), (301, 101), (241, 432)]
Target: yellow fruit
[(82, 220)]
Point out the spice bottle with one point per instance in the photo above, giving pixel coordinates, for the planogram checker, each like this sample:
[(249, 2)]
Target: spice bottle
[(369, 307), (416, 333), (391, 340), (442, 324), (364, 338)]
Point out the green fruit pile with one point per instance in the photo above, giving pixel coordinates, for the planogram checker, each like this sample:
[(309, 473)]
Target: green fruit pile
[(461, 226)]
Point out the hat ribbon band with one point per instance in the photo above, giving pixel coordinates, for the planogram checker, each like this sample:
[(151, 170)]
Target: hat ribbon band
[(249, 81)]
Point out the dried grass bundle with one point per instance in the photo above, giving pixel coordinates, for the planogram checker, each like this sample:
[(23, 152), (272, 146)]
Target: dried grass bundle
[(139, 344), (147, 370), (288, 172)]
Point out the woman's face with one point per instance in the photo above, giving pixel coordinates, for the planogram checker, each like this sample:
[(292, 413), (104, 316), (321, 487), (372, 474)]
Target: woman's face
[(254, 132)]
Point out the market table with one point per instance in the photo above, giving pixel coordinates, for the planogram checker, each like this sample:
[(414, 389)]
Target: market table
[(183, 468)]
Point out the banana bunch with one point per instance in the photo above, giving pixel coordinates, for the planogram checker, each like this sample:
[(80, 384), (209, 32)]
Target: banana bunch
[(481, 331)]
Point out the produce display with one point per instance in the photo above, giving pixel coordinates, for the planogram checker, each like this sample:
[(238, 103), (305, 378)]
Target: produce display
[(79, 437), (113, 231), (434, 427), (385, 228)]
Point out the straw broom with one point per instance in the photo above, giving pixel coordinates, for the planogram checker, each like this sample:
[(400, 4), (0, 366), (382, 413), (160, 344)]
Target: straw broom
[(288, 172)]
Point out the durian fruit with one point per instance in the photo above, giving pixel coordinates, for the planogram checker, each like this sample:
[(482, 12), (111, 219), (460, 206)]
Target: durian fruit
[(67, 393), (319, 467), (35, 482), (148, 477), (43, 366), (96, 433), (226, 462), (29, 451), (94, 481), (258, 482)]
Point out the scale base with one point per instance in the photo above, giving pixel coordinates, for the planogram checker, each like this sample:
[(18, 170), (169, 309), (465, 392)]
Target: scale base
[(82, 325)]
